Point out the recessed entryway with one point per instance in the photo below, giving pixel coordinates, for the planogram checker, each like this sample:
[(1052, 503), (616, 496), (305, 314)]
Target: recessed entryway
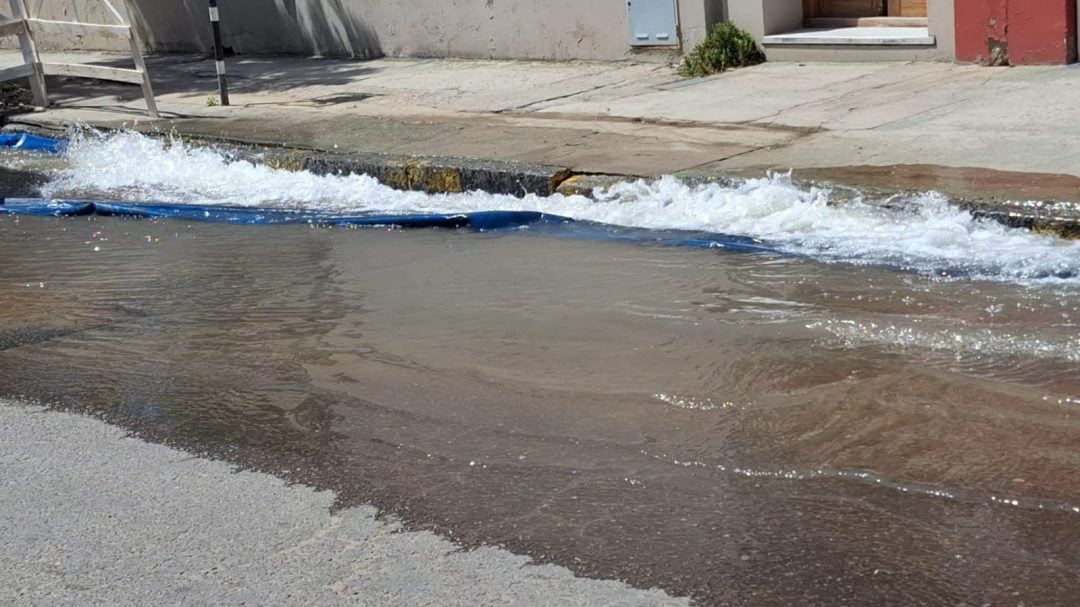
[(864, 13), (900, 24)]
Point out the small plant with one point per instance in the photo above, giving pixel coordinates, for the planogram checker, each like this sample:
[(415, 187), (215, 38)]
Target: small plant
[(727, 46), (212, 101)]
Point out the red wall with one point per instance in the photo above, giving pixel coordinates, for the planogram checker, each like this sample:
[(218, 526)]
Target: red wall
[(1016, 32)]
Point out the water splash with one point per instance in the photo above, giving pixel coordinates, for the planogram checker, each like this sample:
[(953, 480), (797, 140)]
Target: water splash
[(929, 236), (693, 404)]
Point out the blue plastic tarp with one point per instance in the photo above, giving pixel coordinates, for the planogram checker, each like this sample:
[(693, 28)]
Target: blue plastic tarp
[(480, 220), (32, 143), (483, 221), (54, 208)]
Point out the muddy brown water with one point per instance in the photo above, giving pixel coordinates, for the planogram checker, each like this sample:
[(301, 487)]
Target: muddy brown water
[(745, 429)]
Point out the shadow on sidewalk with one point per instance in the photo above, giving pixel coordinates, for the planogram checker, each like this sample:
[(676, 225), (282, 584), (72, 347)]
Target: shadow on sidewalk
[(193, 76)]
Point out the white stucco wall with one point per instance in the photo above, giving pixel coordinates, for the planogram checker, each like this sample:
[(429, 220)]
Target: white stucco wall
[(521, 29)]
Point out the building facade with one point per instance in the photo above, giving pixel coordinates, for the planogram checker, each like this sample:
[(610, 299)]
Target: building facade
[(992, 32), (850, 30), (489, 29), (995, 32)]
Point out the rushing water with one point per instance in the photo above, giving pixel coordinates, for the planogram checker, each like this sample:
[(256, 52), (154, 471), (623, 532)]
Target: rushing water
[(751, 429), (930, 236)]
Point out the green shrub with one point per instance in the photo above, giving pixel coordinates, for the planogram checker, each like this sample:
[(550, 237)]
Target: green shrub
[(727, 46)]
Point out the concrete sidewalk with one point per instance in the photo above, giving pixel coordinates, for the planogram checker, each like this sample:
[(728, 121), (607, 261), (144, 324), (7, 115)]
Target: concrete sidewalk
[(924, 124)]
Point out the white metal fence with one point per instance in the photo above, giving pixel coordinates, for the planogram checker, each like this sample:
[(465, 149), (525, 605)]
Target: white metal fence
[(24, 22)]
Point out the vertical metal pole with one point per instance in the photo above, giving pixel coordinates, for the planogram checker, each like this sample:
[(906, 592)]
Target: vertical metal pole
[(219, 54)]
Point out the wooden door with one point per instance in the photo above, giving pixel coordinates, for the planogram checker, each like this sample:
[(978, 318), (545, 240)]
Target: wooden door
[(843, 8), (907, 8)]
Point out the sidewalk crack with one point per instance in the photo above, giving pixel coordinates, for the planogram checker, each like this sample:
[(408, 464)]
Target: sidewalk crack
[(559, 97)]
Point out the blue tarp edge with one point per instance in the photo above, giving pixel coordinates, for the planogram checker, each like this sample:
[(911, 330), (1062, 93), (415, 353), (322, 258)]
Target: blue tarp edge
[(539, 223), (32, 143)]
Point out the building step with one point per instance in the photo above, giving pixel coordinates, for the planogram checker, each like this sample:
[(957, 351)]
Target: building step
[(853, 36)]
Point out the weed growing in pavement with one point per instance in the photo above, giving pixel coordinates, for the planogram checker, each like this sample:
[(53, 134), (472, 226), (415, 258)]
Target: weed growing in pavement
[(727, 46)]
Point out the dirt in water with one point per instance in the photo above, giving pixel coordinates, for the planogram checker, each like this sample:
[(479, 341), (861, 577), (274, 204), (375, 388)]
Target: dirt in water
[(746, 429)]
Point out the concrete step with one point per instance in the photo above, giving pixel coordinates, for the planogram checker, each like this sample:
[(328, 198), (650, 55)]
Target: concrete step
[(854, 36)]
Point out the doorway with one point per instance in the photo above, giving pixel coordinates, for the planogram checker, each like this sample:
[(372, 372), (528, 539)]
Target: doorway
[(833, 13)]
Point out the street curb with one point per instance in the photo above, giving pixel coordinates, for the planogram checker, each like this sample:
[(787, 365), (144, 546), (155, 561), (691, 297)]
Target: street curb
[(430, 174), (436, 175), (1057, 218), (586, 185)]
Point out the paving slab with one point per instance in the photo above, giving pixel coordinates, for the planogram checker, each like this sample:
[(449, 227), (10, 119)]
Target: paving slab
[(1001, 151), (739, 96), (883, 98)]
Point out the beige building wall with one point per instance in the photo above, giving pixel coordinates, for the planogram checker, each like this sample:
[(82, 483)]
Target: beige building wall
[(517, 29), (942, 17), (764, 17)]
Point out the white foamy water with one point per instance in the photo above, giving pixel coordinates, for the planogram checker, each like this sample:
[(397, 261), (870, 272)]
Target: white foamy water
[(972, 343), (930, 237)]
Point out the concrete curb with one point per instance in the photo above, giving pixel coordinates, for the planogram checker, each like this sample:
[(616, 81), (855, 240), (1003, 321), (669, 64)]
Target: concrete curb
[(586, 185), (430, 174), (1057, 218), (443, 175)]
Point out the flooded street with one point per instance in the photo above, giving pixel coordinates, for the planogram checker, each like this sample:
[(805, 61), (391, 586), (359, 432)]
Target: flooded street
[(884, 410), (748, 429)]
